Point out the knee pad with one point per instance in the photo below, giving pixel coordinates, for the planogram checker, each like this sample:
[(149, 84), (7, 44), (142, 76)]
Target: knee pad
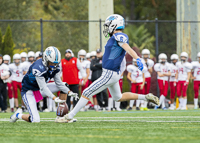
[(67, 85)]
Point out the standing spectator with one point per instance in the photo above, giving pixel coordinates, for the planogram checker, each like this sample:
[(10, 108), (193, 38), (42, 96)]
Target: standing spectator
[(70, 68), (96, 67), (4, 75), (183, 76), (172, 80), (148, 63), (163, 72)]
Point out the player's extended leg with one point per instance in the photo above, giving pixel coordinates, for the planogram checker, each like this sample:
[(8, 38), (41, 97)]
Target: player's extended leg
[(30, 103), (14, 85), (196, 94), (162, 97)]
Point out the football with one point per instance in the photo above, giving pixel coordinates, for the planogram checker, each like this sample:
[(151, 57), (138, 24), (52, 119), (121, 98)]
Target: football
[(62, 109)]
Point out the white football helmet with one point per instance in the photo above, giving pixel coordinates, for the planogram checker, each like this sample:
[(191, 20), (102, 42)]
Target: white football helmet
[(145, 52), (198, 55), (23, 55), (93, 54), (16, 56), (51, 54), (184, 54), (82, 53), (161, 57), (6, 58), (88, 55), (174, 57), (37, 54), (31, 54), (112, 23)]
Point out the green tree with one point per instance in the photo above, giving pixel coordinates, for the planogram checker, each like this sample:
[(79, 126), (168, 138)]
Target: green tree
[(140, 37), (8, 44), (1, 43)]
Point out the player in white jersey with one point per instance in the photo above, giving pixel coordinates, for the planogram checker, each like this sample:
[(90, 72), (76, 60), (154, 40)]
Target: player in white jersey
[(196, 77), (86, 67), (172, 80), (163, 72), (31, 59), (148, 63), (17, 72), (137, 79), (115, 50), (183, 76), (6, 60), (23, 56), (4, 75)]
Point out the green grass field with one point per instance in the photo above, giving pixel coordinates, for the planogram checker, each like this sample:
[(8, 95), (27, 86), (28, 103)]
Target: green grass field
[(102, 127)]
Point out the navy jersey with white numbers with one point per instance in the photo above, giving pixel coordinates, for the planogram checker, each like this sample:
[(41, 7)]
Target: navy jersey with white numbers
[(114, 54), (36, 69)]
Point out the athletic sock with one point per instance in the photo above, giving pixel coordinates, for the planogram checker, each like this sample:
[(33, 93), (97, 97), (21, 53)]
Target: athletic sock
[(145, 104), (71, 107), (163, 102), (195, 102), (53, 105), (50, 104), (19, 116), (162, 98), (181, 102), (142, 97), (137, 103), (131, 103), (117, 105), (81, 103), (142, 103), (110, 103)]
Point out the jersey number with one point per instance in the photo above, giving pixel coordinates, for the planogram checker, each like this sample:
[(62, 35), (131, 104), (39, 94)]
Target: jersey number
[(137, 74), (17, 72), (121, 39), (181, 70), (198, 72)]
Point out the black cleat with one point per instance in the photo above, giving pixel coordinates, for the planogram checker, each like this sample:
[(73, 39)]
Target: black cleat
[(130, 108), (137, 108)]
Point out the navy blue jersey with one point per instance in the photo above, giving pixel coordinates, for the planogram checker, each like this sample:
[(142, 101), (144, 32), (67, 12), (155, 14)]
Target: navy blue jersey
[(36, 69), (114, 54)]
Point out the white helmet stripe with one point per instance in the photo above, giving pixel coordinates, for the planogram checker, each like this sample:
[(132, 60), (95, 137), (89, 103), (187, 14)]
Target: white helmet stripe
[(56, 57)]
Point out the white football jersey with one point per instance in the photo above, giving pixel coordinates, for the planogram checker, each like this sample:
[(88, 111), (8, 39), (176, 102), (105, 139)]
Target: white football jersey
[(183, 69), (173, 70), (162, 69), (148, 64), (196, 68), (17, 72), (85, 64), (4, 68), (122, 67), (136, 74), (26, 65)]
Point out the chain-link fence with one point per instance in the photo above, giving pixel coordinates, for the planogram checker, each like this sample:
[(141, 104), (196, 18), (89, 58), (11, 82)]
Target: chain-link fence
[(156, 35)]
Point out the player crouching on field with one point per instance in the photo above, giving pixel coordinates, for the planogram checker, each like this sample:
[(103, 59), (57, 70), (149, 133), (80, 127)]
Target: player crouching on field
[(137, 79), (35, 85), (163, 72), (172, 80), (196, 77), (183, 76), (115, 50)]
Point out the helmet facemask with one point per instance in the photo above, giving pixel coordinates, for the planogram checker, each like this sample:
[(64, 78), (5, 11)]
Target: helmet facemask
[(52, 66), (183, 59), (107, 33)]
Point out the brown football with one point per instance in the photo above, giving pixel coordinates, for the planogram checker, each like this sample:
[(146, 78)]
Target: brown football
[(62, 109)]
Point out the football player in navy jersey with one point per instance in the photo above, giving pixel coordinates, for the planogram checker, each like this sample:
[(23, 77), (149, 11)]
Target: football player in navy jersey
[(35, 85), (115, 50)]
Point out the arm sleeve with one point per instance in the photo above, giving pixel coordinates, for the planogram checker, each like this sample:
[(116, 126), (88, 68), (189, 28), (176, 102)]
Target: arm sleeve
[(92, 67), (60, 84), (157, 68), (43, 86), (80, 68), (98, 66)]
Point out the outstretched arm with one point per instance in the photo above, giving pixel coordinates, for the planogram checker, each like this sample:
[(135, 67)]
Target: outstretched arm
[(129, 50)]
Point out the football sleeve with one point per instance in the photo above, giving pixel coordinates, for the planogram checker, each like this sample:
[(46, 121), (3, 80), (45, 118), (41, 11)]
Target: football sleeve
[(150, 63), (60, 84), (157, 68), (121, 38), (129, 68)]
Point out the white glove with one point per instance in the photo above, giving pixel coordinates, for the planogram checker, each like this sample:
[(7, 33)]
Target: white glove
[(75, 95), (57, 100)]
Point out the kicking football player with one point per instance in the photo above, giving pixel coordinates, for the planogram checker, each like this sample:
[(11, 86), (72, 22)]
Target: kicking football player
[(163, 72), (34, 85), (172, 80), (16, 70), (149, 65), (183, 76), (137, 79), (196, 77), (115, 50)]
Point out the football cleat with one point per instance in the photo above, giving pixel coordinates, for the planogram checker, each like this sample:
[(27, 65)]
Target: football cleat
[(118, 109), (151, 98), (137, 108), (179, 108), (13, 118), (183, 108), (195, 107), (164, 108), (130, 108), (142, 108), (171, 108), (145, 109), (156, 107), (69, 120)]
